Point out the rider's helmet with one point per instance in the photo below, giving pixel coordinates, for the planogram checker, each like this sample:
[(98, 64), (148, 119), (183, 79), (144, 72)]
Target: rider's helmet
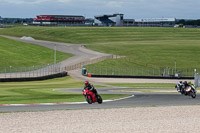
[(189, 82), (185, 82), (86, 83)]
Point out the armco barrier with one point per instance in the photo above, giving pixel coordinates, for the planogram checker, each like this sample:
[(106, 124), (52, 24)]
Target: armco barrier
[(62, 74), (126, 76)]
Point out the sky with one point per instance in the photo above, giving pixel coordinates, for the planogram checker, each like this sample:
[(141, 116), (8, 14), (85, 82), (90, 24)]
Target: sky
[(132, 9)]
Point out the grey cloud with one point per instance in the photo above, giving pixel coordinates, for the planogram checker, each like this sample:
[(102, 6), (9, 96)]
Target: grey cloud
[(90, 8)]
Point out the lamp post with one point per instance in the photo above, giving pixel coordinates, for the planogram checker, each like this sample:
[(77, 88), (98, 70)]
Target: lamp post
[(55, 54), (175, 67)]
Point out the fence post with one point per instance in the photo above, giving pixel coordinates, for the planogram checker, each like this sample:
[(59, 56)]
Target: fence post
[(197, 78), (5, 72), (142, 71), (10, 71), (29, 72), (48, 69), (25, 71), (153, 72)]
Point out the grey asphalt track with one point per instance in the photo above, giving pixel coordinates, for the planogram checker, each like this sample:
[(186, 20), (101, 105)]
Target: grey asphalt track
[(138, 100)]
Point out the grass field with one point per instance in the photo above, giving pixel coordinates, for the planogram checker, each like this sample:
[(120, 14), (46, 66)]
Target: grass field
[(132, 85), (19, 54), (142, 47), (43, 92)]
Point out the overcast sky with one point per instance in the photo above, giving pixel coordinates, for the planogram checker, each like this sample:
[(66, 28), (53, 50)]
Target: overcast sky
[(187, 9)]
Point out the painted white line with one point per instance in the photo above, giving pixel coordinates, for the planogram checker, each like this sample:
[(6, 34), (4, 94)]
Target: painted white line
[(63, 103), (118, 99)]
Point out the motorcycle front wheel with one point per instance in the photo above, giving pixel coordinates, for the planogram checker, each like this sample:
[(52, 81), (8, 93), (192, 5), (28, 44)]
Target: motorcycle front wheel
[(193, 95), (89, 100), (99, 99)]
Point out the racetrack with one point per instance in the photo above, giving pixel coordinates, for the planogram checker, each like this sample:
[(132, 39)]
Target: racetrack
[(141, 113), (138, 99), (83, 54)]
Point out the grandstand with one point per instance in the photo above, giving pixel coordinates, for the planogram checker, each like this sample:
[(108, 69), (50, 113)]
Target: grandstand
[(118, 20), (109, 20), (59, 20)]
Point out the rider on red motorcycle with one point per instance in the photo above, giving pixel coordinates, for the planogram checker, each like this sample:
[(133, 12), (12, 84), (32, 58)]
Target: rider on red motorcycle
[(90, 88)]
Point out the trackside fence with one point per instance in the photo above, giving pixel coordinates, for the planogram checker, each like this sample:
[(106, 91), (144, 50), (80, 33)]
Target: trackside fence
[(197, 80), (30, 72), (45, 70), (131, 71)]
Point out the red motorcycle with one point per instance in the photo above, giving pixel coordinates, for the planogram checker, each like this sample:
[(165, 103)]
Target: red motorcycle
[(91, 97)]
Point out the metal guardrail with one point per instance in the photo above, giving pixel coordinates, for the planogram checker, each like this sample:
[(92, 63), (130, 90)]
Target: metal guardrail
[(29, 72), (45, 70), (142, 71)]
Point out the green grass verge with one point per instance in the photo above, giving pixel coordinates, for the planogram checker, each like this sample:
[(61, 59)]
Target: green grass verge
[(160, 87), (103, 35), (155, 90), (152, 90), (169, 85), (151, 48), (42, 92), (147, 85), (18, 54)]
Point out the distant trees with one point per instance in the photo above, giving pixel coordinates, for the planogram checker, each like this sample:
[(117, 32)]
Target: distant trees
[(188, 22), (15, 20)]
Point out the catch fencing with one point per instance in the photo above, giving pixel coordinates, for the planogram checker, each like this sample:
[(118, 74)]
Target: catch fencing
[(45, 70), (131, 71), (30, 72), (197, 80)]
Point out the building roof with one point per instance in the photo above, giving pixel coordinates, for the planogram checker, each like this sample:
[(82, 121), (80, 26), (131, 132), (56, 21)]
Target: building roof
[(59, 16)]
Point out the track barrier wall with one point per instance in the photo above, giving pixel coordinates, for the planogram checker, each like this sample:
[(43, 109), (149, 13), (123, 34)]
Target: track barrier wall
[(33, 73), (139, 72), (62, 74)]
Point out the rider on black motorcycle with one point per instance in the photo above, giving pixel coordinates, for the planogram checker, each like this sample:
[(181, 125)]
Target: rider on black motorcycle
[(90, 88), (192, 86), (180, 87), (186, 84)]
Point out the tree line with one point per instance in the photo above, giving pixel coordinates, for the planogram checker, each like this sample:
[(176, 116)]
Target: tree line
[(189, 22)]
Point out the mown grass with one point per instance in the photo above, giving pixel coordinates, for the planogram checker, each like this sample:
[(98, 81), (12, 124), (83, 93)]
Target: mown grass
[(19, 54), (44, 92), (142, 47), (103, 35), (152, 90), (167, 85)]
